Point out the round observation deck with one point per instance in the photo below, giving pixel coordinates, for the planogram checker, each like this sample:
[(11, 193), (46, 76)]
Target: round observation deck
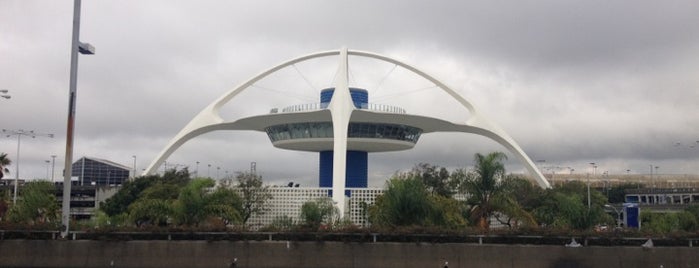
[(366, 136), (361, 136)]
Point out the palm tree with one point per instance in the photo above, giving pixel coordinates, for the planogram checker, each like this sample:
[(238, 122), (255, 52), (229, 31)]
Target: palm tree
[(483, 185), (489, 192), (4, 162)]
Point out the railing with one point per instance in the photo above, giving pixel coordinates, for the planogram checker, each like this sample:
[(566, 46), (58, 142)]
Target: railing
[(320, 106), (363, 237), (304, 107)]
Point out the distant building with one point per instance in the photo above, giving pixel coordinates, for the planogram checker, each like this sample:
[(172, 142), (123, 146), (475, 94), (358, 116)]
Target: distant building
[(95, 171), (85, 200), (663, 199)]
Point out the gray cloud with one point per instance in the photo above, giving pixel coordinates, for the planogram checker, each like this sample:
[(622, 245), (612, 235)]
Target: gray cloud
[(573, 83)]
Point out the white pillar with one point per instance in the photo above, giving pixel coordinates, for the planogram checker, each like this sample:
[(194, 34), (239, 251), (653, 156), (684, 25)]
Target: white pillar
[(341, 107)]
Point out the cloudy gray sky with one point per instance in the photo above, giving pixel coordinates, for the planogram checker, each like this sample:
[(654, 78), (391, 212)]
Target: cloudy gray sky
[(573, 82)]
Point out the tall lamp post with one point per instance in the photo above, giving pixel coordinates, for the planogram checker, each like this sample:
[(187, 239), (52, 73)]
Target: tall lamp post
[(19, 133), (134, 166), (47, 168), (82, 48), (197, 170), (618, 215), (53, 166), (589, 205)]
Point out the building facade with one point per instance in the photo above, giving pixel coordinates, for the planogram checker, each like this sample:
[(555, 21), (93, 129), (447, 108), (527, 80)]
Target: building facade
[(287, 202), (95, 171)]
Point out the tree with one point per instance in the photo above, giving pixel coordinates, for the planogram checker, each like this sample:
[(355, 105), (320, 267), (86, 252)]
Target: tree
[(166, 186), (150, 212), (566, 207), (225, 204), (37, 204), (254, 195), (320, 211), (435, 178), (130, 191), (405, 202), (484, 185), (190, 207), (4, 203), (196, 203), (447, 212), (516, 202), (4, 163)]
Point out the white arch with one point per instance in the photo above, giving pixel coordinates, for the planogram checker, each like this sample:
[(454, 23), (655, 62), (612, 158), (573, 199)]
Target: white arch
[(341, 110)]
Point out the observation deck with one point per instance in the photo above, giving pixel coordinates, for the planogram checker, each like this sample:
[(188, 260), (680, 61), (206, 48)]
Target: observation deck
[(365, 135)]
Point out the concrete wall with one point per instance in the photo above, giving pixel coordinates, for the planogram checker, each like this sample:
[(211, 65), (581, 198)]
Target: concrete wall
[(88, 253)]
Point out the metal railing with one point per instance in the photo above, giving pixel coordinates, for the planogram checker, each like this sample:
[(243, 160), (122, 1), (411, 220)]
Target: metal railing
[(320, 106), (365, 237)]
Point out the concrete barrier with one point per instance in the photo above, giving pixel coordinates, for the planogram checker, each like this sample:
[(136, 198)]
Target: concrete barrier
[(90, 253)]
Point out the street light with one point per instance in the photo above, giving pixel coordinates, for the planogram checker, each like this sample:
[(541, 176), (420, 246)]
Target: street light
[(134, 166), (82, 48), (197, 170), (618, 215), (53, 166), (218, 169), (589, 205), (19, 133), (47, 168), (208, 171)]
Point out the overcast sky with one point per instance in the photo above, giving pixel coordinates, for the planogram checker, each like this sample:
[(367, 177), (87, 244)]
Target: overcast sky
[(573, 82)]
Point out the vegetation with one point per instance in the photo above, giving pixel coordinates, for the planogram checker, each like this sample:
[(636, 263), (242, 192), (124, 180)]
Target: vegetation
[(38, 204), (319, 212), (173, 200), (427, 198), (4, 163), (254, 194), (566, 207), (405, 202)]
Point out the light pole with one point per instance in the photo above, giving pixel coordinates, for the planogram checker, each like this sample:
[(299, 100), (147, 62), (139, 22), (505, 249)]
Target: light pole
[(47, 168), (208, 171), (134, 166), (618, 215), (53, 166), (657, 175), (218, 169), (589, 203), (3, 94), (197, 170), (19, 133), (75, 48)]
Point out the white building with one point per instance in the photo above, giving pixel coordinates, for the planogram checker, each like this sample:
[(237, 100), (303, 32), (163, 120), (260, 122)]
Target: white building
[(287, 201), (343, 127)]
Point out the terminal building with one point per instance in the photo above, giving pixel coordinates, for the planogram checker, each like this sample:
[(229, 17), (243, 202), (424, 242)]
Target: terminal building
[(95, 171), (343, 128)]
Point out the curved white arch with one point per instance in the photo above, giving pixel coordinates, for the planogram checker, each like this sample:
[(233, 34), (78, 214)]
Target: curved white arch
[(341, 110)]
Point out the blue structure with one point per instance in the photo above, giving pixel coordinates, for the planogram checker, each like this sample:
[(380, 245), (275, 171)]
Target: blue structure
[(632, 215), (357, 161)]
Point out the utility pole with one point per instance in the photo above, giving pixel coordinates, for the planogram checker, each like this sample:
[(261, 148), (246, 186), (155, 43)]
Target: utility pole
[(82, 48), (19, 133)]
